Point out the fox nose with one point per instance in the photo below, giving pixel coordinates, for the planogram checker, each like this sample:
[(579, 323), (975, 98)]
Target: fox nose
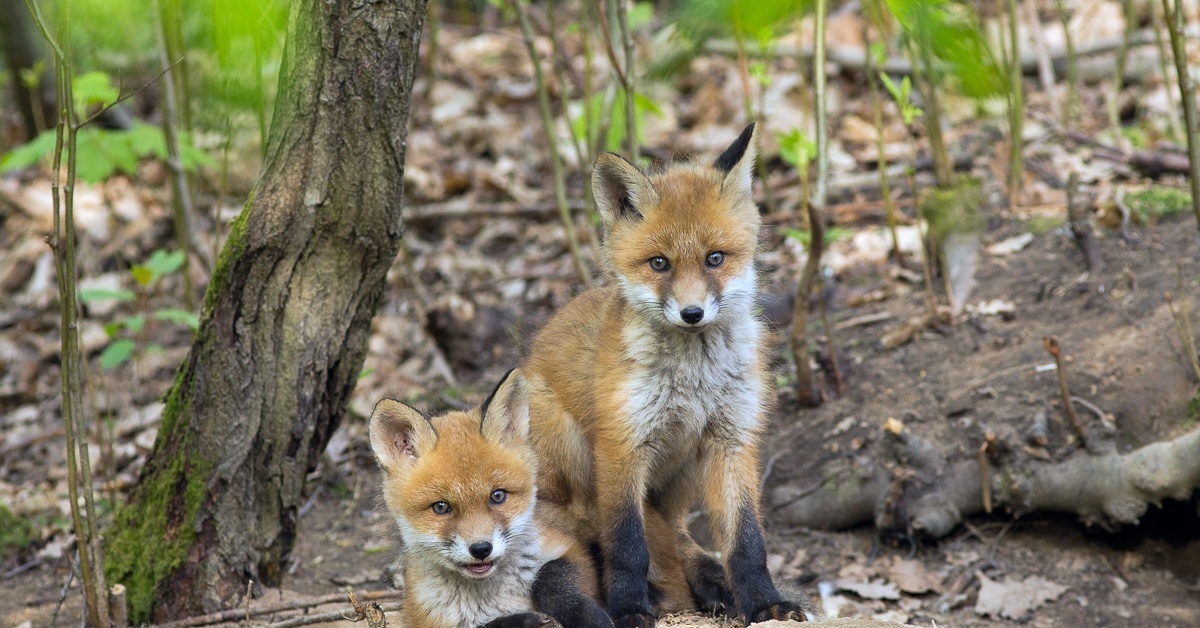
[(691, 315), (480, 550)]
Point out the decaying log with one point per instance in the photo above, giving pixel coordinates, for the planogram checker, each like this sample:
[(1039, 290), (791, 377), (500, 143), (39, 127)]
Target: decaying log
[(911, 486)]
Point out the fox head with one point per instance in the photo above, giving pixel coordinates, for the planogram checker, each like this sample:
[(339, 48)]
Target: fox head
[(682, 242), (460, 485)]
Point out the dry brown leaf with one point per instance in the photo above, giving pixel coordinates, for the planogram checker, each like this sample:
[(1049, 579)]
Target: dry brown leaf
[(873, 589), (911, 576), (1012, 599)]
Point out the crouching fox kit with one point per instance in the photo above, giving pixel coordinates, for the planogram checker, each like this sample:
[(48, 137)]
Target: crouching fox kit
[(479, 548), (648, 395)]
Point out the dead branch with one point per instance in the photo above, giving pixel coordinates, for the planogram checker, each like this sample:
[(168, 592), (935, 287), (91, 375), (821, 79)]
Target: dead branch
[(1055, 350), (343, 615), (1108, 489), (241, 613), (1152, 164), (1077, 215)]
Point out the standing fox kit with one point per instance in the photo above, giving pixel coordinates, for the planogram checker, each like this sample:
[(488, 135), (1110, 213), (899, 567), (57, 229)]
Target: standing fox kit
[(648, 395), (480, 550)]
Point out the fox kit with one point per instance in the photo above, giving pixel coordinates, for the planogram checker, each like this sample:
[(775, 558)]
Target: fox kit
[(648, 395), (480, 550)]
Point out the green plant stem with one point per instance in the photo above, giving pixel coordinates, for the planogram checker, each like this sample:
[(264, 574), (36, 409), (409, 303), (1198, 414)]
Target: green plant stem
[(1164, 66), (926, 80), (181, 200), (62, 243), (1071, 107), (630, 92), (881, 156), (1016, 107), (806, 394), (748, 111), (1113, 105), (1187, 91), (556, 167)]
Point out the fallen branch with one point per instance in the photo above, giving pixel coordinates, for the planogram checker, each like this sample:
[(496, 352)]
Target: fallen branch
[(351, 615), (1152, 164), (241, 613), (1108, 489)]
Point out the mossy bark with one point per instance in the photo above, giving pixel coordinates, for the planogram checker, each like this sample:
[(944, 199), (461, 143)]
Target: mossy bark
[(285, 321)]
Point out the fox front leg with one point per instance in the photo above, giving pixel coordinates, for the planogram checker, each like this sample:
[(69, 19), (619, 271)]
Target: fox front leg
[(620, 482), (731, 496), (557, 592)]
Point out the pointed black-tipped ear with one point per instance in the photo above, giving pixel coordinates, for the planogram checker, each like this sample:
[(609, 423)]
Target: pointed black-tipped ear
[(505, 413), (621, 190), (399, 435), (737, 162)]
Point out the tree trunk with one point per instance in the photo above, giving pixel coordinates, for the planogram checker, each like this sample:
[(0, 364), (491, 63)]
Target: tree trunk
[(285, 320)]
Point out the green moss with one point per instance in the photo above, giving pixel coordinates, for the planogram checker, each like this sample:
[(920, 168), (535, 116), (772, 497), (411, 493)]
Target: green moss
[(1154, 203), (235, 245), (16, 533), (953, 210), (1041, 225), (1193, 409), (146, 543)]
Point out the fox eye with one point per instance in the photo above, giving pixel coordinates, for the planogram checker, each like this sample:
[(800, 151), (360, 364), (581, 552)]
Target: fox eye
[(714, 259), (659, 264), (499, 495), (440, 508)]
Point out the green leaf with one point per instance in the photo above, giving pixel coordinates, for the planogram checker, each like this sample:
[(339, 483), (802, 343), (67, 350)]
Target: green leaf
[(28, 154), (162, 262), (760, 73), (117, 353), (640, 15), (797, 149), (91, 295), (181, 317), (93, 88), (135, 323), (111, 329), (142, 275)]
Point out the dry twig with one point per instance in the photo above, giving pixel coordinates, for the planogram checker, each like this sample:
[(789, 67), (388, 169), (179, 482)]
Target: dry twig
[(1055, 350)]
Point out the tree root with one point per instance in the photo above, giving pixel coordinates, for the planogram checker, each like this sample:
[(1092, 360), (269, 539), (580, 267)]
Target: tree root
[(913, 487)]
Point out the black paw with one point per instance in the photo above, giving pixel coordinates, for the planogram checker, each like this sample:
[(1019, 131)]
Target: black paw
[(710, 589), (783, 611), (634, 620), (523, 620)]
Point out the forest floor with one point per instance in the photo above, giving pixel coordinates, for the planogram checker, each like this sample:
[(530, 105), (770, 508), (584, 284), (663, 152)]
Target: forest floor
[(484, 266)]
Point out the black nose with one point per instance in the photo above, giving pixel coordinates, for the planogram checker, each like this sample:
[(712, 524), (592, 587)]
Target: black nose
[(480, 550), (691, 315)]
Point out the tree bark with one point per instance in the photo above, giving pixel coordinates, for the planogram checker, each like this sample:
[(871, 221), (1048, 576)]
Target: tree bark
[(285, 320)]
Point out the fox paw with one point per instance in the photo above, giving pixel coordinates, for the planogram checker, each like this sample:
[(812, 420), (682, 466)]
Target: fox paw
[(710, 590), (634, 620), (782, 611), (524, 620)]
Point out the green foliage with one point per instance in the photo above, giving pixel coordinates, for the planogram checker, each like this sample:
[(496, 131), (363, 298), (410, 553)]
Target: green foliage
[(902, 94), (832, 234), (125, 333), (700, 19), (100, 153), (951, 36), (1193, 408), (602, 110), (1041, 225), (639, 15), (797, 149), (953, 210), (1157, 202), (16, 533)]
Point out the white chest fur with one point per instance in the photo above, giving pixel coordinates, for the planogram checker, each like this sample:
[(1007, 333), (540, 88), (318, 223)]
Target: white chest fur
[(684, 385)]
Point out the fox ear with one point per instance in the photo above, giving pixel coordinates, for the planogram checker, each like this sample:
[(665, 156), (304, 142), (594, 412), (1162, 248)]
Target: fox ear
[(505, 413), (622, 191), (399, 434), (737, 162)]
